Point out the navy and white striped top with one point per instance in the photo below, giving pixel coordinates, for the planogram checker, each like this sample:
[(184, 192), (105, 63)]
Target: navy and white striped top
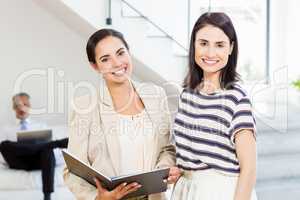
[(205, 127)]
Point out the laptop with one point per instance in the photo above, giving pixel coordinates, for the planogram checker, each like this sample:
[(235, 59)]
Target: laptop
[(34, 136)]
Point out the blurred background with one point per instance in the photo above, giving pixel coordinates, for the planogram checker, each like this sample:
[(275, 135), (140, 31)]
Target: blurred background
[(42, 48)]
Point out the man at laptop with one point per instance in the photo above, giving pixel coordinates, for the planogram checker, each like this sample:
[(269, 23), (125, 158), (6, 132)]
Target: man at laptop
[(31, 156)]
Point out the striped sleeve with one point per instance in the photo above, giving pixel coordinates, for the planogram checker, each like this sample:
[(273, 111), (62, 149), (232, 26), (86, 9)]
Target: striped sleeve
[(243, 118)]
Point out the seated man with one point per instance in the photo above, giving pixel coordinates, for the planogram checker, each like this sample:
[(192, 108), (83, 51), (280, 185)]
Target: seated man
[(31, 156)]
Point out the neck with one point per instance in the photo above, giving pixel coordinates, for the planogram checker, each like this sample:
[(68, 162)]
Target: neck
[(23, 119), (117, 89), (121, 93), (211, 82)]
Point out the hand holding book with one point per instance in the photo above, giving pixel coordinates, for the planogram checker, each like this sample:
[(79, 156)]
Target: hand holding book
[(174, 175), (151, 181), (124, 189), (118, 193)]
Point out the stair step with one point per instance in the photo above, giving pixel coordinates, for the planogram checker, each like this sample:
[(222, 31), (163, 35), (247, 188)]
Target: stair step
[(181, 50), (158, 47), (276, 116), (287, 189), (156, 30), (278, 143), (128, 12), (278, 126), (278, 167), (152, 31)]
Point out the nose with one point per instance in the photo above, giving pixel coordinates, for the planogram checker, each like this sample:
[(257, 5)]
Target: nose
[(116, 62), (210, 52)]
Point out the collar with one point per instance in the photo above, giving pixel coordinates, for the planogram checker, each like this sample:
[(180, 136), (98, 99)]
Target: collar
[(104, 94), (148, 93), (27, 120)]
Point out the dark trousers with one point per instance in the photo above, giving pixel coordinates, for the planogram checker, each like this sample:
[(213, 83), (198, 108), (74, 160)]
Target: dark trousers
[(31, 157)]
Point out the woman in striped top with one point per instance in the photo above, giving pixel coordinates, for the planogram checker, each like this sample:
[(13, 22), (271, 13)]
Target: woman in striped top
[(214, 128)]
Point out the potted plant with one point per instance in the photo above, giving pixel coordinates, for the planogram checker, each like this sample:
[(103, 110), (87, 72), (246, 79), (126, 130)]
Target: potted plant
[(296, 84), (296, 97)]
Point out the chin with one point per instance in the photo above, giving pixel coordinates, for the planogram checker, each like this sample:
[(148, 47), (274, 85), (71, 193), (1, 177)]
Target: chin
[(120, 80), (211, 69)]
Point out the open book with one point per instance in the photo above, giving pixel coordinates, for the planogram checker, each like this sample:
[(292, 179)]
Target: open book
[(152, 182)]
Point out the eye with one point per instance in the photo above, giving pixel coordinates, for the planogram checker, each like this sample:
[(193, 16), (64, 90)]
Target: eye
[(220, 45), (203, 44), (104, 60), (121, 53)]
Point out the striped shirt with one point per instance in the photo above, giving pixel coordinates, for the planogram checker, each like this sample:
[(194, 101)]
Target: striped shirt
[(205, 128)]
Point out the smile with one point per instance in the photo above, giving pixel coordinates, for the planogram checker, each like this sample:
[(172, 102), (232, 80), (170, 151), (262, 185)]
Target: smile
[(120, 72), (210, 61)]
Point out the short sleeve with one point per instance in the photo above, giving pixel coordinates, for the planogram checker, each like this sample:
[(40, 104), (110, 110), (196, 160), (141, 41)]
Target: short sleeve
[(243, 118)]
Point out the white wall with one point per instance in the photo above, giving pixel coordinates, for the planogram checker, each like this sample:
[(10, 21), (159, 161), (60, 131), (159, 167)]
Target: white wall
[(278, 41), (93, 11), (293, 39), (33, 39), (285, 40)]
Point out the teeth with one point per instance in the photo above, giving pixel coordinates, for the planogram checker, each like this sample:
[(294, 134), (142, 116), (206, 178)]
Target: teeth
[(210, 61), (120, 72)]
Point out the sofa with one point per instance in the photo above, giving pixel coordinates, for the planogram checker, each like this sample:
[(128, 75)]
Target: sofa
[(27, 185)]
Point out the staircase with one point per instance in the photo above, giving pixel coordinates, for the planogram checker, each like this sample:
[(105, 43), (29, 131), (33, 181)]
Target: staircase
[(278, 142), (150, 43), (160, 58)]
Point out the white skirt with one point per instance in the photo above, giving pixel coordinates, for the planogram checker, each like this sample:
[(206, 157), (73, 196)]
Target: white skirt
[(205, 185)]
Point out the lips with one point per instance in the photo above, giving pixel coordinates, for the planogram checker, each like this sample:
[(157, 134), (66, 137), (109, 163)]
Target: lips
[(210, 61), (120, 71)]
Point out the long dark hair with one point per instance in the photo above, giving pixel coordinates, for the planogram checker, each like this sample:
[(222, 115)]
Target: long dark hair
[(97, 37), (228, 74)]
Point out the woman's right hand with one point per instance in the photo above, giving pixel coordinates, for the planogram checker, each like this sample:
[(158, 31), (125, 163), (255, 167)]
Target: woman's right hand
[(116, 194)]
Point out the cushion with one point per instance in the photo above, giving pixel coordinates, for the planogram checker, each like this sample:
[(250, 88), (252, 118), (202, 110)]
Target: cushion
[(20, 179)]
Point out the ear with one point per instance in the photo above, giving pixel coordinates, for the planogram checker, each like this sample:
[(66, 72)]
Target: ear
[(231, 47), (94, 66)]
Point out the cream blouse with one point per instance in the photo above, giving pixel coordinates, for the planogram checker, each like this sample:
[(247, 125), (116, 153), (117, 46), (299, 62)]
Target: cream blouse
[(134, 131)]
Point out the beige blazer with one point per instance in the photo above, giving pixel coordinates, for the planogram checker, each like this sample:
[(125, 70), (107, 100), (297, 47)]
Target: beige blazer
[(93, 137)]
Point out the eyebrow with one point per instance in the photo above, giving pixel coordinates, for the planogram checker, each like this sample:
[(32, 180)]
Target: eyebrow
[(218, 42), (104, 56), (122, 48)]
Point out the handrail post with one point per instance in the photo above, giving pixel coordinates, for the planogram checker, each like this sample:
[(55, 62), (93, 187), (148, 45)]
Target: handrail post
[(209, 5), (109, 19), (268, 14), (188, 22)]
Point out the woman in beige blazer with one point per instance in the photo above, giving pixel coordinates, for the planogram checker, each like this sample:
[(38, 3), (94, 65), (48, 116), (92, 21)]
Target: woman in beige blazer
[(97, 134)]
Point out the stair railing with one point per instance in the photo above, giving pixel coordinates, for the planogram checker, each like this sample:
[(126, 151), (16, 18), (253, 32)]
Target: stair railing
[(158, 27)]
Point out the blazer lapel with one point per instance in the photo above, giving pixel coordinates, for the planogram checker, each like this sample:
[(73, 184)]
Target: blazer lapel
[(109, 123), (150, 98), (112, 140)]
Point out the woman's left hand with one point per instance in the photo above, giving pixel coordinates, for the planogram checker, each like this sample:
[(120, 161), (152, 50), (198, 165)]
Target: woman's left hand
[(174, 175)]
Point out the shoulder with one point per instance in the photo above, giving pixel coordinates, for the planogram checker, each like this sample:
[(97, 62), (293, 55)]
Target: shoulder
[(239, 92), (148, 88), (153, 96), (83, 106), (83, 101)]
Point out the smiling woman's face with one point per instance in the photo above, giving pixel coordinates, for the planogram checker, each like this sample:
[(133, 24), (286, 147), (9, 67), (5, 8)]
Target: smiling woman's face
[(212, 49), (113, 60)]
